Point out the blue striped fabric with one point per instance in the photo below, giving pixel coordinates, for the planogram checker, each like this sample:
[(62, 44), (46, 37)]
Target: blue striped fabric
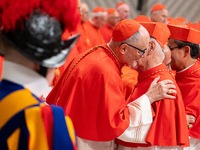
[(7, 87), (61, 134)]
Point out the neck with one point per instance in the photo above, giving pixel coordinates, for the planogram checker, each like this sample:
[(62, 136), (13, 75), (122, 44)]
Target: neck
[(150, 63), (110, 25), (93, 23), (114, 51), (188, 63)]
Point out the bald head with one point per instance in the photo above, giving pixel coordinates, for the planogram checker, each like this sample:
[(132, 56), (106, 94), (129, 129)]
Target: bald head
[(113, 19), (159, 16), (124, 11), (84, 12)]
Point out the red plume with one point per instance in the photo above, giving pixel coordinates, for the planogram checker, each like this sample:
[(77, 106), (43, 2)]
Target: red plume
[(12, 12)]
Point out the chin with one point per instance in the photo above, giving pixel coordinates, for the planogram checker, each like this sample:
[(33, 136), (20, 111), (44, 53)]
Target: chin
[(133, 67)]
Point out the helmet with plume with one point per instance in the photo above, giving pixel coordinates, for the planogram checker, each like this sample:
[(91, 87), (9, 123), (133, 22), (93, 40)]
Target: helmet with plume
[(35, 28)]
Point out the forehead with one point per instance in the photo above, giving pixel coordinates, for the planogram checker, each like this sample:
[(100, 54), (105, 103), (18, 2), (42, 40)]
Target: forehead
[(164, 12), (144, 37), (124, 8), (116, 14), (171, 42)]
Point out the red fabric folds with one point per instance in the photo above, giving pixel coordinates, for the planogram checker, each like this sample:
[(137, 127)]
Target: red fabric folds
[(189, 83), (169, 126), (92, 96)]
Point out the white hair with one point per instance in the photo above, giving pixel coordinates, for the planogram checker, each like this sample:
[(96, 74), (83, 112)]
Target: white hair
[(158, 48), (98, 14), (134, 38)]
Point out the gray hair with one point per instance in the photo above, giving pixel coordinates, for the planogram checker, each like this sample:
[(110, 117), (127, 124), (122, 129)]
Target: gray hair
[(158, 48), (156, 11), (98, 14), (133, 39)]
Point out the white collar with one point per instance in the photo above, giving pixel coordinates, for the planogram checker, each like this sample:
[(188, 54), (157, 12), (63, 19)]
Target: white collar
[(113, 52), (27, 77), (186, 68)]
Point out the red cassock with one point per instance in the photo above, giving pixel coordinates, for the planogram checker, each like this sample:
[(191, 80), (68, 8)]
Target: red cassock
[(82, 43), (189, 84), (91, 93), (106, 31), (73, 53), (129, 79), (93, 35), (169, 126)]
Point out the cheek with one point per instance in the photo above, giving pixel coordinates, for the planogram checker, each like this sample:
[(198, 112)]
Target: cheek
[(175, 58), (173, 54)]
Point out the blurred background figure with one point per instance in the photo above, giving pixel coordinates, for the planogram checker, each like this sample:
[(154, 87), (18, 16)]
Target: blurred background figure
[(183, 20), (123, 10), (92, 27), (170, 19), (159, 13), (84, 10), (112, 20)]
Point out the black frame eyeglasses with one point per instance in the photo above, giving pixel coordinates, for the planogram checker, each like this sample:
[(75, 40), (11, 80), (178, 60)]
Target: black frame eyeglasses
[(172, 48), (143, 51)]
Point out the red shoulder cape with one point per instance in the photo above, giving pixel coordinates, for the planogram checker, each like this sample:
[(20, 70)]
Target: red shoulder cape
[(189, 84), (169, 127), (92, 96), (93, 34), (129, 79), (106, 31)]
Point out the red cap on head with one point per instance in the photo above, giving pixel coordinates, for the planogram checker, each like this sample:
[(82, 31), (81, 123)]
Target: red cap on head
[(170, 19), (158, 7), (181, 19), (182, 32), (111, 11), (98, 9), (194, 25), (142, 18), (119, 4), (125, 29), (157, 30)]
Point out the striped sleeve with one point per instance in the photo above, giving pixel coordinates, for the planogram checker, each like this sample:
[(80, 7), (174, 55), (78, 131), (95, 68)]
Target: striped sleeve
[(63, 131)]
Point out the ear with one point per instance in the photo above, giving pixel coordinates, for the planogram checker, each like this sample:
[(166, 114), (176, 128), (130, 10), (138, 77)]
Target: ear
[(186, 50), (152, 47), (122, 48)]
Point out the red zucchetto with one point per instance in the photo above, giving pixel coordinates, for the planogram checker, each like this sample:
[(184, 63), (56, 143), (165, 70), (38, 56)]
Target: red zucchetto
[(158, 7), (124, 29), (111, 11), (98, 9), (157, 30), (119, 4), (142, 18)]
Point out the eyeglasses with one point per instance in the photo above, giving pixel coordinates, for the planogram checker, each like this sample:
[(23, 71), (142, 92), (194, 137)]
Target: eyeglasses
[(172, 48), (142, 51)]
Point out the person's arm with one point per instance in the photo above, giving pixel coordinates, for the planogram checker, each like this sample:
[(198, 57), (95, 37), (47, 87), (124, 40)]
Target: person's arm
[(140, 111), (140, 120)]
